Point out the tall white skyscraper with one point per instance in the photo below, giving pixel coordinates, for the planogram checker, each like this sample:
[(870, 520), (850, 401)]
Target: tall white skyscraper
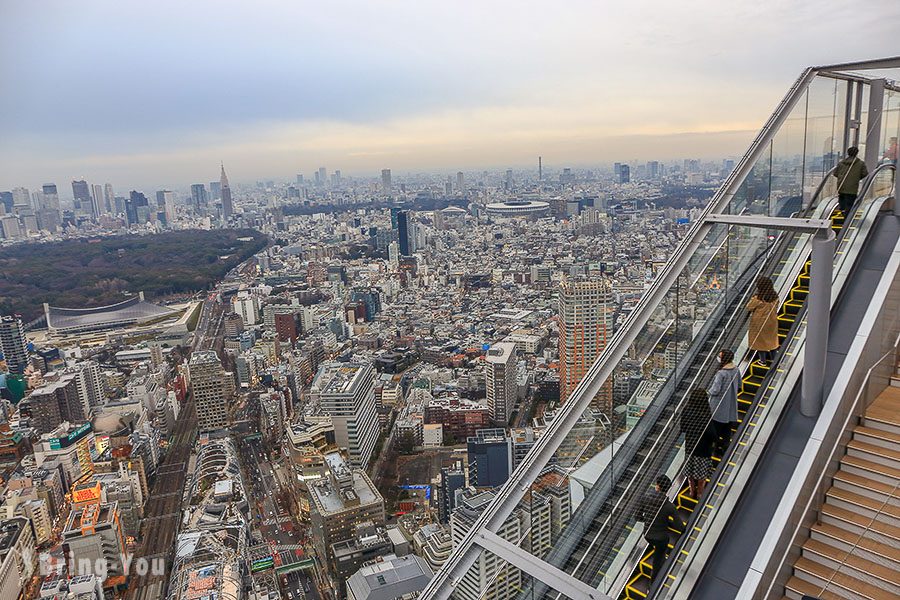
[(109, 198), (500, 375), (346, 392), (166, 201)]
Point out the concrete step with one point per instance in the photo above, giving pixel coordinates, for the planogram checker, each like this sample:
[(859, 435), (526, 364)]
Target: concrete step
[(797, 588), (833, 558), (845, 586), (857, 545), (865, 463), (856, 523)]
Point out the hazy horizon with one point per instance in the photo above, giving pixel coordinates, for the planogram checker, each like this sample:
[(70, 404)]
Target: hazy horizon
[(156, 95)]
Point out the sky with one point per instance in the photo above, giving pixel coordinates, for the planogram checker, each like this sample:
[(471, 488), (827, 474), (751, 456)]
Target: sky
[(144, 94)]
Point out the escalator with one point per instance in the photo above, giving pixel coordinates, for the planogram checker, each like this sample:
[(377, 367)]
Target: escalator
[(753, 378)]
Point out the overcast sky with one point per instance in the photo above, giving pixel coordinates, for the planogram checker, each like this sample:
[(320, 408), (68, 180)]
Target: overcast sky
[(157, 93)]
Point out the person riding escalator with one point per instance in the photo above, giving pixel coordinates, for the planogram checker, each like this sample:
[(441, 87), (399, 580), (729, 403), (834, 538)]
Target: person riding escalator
[(658, 512)]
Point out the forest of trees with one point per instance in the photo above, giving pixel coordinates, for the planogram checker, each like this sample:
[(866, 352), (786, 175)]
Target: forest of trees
[(99, 271)]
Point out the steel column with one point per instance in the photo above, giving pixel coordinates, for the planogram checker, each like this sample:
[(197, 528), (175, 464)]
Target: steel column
[(873, 123), (818, 318)]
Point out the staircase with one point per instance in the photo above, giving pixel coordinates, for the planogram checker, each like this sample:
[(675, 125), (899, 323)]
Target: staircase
[(854, 549)]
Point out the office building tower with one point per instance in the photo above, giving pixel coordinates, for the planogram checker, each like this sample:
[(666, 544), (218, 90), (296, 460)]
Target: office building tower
[(299, 180), (403, 232), (10, 227), (341, 501), (211, 392), (6, 202), (450, 482), (199, 198), (81, 192), (460, 182), (321, 177), (109, 198), (90, 385), (624, 174), (225, 190), (386, 181), (166, 201), (336, 178), (137, 208), (97, 201), (21, 199), (585, 324), (500, 375), (490, 458), (53, 403), (346, 392), (51, 196), (13, 345), (93, 533), (215, 190)]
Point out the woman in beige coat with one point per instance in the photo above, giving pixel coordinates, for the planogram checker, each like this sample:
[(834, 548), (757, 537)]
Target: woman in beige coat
[(763, 331)]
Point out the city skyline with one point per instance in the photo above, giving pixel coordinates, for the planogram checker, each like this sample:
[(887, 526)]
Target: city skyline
[(283, 90)]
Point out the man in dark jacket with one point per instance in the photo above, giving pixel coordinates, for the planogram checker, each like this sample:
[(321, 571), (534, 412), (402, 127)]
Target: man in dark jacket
[(849, 172), (657, 511)]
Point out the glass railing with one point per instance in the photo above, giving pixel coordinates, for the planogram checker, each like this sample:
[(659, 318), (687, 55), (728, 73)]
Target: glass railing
[(620, 427), (779, 382)]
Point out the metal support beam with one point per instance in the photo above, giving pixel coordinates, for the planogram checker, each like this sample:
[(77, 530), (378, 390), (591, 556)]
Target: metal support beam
[(818, 318), (767, 222), (848, 118), (532, 565), (873, 125)]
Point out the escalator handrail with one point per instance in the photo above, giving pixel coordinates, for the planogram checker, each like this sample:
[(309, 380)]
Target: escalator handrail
[(815, 197)]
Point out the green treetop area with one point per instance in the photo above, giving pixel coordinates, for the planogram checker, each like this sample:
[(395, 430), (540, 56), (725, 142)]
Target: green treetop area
[(100, 271)]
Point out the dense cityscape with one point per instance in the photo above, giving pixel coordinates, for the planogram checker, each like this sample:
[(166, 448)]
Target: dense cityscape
[(336, 411)]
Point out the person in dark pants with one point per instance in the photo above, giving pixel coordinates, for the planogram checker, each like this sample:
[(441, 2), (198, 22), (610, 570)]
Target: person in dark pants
[(723, 393), (657, 512), (849, 172)]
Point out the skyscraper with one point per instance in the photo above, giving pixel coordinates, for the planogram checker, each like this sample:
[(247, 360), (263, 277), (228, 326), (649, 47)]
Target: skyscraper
[(210, 390), (165, 199), (97, 201), (51, 196), (81, 192), (137, 208), (109, 198), (321, 177), (585, 323), (198, 196), (460, 182), (490, 457), (346, 392), (227, 206), (21, 198), (12, 343), (386, 181), (500, 378), (624, 174), (403, 232)]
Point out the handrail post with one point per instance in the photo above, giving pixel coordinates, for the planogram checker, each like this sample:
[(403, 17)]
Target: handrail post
[(873, 127), (818, 317)]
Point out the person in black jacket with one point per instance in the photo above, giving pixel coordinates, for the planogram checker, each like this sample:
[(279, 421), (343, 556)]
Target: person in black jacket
[(657, 511)]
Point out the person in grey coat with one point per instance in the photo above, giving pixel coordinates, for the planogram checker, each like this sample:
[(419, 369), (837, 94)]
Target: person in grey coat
[(723, 394)]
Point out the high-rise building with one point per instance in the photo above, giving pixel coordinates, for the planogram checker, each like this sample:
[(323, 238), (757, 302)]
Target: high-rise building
[(166, 201), (51, 196), (81, 192), (490, 458), (211, 392), (585, 324), (500, 375), (346, 392), (321, 177), (6, 202), (199, 198), (389, 577), (215, 190), (109, 198), (137, 208), (227, 205), (460, 182), (341, 501), (450, 482), (93, 533), (21, 198), (13, 344), (386, 181), (97, 201), (624, 174), (403, 231)]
